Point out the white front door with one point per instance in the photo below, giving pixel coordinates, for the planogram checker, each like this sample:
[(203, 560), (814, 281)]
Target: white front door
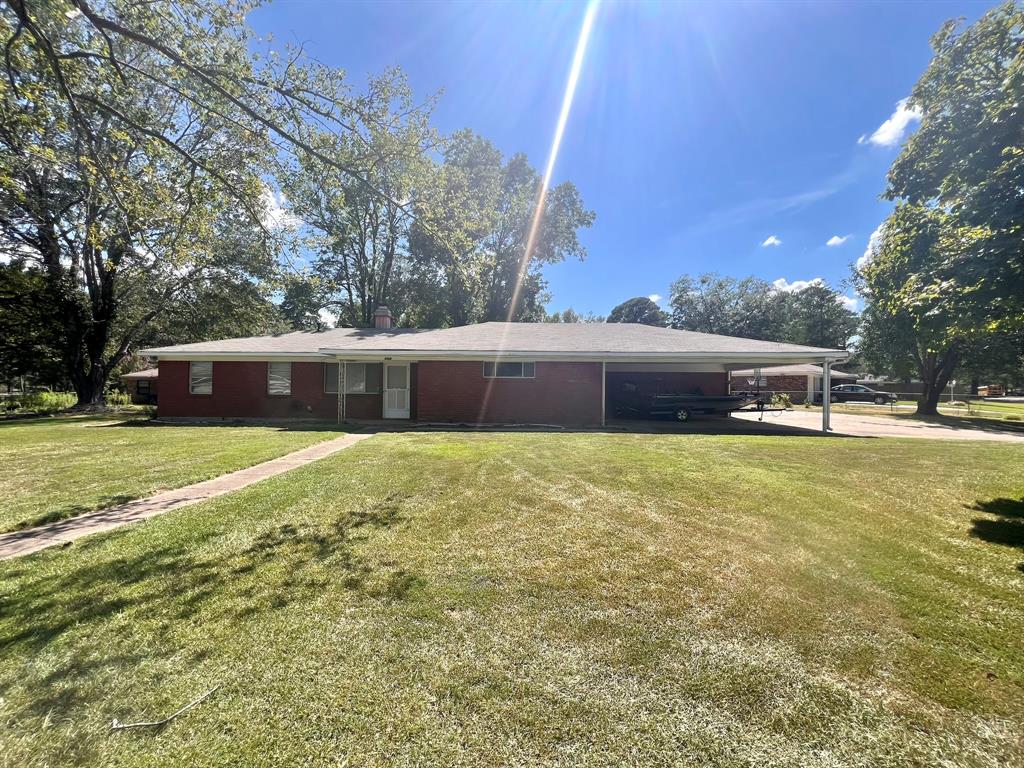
[(396, 390)]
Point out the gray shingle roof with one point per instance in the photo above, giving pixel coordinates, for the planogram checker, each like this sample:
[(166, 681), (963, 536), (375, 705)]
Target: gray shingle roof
[(571, 339)]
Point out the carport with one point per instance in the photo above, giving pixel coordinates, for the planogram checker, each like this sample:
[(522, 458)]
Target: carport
[(709, 376)]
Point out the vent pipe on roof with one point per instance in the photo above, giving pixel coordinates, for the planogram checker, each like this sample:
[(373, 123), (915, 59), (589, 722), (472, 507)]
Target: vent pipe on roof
[(382, 317)]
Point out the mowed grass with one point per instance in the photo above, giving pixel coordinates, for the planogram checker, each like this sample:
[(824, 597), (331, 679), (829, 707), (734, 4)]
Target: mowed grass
[(55, 468), (498, 599), (979, 409)]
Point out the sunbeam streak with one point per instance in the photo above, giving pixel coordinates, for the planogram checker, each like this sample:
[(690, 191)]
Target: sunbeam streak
[(538, 213), (556, 143)]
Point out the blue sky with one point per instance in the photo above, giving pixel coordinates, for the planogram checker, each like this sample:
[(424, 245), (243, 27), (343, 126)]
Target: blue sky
[(699, 131)]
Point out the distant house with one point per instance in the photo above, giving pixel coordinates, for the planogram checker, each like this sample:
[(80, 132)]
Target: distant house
[(142, 385), (546, 373), (800, 382)]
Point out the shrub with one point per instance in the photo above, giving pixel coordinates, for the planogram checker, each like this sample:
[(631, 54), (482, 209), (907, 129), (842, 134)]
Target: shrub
[(118, 398), (781, 400), (42, 402), (1013, 417)]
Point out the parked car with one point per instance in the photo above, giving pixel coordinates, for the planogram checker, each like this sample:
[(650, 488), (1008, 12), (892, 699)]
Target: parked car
[(857, 393)]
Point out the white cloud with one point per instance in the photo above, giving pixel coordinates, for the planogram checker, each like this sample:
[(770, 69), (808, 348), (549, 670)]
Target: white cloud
[(655, 297), (276, 215), (891, 132), (771, 240), (874, 243), (837, 240), (782, 284), (785, 286)]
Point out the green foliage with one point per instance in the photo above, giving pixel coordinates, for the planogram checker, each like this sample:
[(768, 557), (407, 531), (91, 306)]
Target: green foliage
[(117, 398), (41, 402), (751, 308), (471, 232), (29, 338), (358, 226), (948, 278), (570, 315), (638, 310), (817, 317)]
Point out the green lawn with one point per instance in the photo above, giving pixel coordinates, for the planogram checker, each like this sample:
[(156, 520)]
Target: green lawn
[(544, 599), (56, 468), (979, 409)]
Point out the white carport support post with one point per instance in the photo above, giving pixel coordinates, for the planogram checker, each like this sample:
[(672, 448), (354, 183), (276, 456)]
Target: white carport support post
[(604, 396), (826, 395)]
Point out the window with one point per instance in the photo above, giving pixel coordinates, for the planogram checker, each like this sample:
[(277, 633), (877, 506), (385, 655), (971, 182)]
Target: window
[(200, 378), (361, 379), (142, 387), (331, 378), (508, 370), (279, 378)]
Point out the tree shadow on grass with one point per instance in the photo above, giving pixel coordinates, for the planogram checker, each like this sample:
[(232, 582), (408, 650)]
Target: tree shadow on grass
[(1005, 527), (966, 423), (163, 588), (65, 513), (277, 425)]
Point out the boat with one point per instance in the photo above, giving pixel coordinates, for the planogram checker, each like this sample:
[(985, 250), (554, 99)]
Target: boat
[(682, 406)]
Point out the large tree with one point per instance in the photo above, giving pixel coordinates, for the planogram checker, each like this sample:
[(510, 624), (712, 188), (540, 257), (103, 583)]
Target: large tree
[(750, 307), (469, 241), (817, 316), (359, 232), (134, 140), (950, 268), (638, 310)]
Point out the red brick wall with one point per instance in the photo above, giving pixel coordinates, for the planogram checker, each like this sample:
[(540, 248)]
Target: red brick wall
[(240, 391), (794, 386), (560, 393)]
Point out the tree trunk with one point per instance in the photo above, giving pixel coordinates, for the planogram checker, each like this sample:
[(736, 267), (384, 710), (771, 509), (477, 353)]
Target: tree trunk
[(89, 385), (935, 374)]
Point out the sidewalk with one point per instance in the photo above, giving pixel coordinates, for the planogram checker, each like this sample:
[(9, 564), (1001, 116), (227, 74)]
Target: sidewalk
[(65, 531)]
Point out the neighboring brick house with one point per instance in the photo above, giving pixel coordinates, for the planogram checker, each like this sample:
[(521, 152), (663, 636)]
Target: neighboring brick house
[(142, 385), (800, 382), (509, 373)]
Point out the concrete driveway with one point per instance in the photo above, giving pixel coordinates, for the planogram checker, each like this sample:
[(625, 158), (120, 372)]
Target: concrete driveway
[(857, 425)]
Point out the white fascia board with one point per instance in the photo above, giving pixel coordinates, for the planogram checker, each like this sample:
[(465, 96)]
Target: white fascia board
[(735, 360)]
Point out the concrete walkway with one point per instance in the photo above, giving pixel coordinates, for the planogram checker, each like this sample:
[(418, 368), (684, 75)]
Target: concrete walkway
[(65, 531), (888, 426)]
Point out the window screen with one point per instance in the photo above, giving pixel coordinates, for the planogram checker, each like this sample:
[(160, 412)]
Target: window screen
[(362, 378), (200, 378), (508, 370), (279, 378), (331, 378)]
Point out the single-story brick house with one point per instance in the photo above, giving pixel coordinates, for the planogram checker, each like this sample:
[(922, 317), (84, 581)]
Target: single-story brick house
[(800, 382), (508, 373)]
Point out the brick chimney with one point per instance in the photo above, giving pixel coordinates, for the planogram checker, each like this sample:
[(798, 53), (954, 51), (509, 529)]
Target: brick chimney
[(382, 317)]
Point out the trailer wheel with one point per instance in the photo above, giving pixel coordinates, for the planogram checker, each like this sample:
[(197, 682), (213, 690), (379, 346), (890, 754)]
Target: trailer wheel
[(683, 414)]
